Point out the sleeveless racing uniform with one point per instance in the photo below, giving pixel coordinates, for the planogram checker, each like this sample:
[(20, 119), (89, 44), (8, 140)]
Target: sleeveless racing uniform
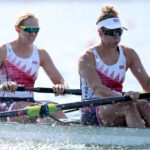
[(22, 71), (112, 76)]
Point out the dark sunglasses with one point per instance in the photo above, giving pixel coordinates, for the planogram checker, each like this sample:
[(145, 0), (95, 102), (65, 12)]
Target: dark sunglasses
[(112, 32), (30, 29)]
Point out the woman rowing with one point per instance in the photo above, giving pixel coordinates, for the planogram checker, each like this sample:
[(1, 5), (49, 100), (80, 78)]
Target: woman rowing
[(102, 69), (19, 64)]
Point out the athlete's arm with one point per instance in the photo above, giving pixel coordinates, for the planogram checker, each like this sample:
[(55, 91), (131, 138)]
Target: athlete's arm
[(136, 67), (52, 72), (7, 86), (86, 66), (3, 54)]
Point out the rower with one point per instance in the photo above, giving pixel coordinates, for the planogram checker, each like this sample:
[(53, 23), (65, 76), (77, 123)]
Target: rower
[(20, 60), (102, 69)]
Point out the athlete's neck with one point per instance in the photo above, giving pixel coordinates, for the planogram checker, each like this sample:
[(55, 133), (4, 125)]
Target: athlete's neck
[(22, 49), (107, 50)]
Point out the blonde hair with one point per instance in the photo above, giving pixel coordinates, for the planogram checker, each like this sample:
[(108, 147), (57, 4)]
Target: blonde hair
[(107, 11), (23, 17)]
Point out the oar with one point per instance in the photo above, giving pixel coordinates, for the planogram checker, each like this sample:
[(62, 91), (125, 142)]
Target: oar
[(17, 99), (49, 109), (49, 90)]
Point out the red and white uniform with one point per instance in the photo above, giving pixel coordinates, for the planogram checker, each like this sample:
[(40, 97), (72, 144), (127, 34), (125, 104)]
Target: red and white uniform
[(22, 71), (112, 76)]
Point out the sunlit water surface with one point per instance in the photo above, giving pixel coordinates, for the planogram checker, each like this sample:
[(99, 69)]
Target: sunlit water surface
[(75, 137)]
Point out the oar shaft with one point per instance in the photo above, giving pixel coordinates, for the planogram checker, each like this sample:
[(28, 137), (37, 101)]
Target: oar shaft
[(92, 103), (16, 99), (13, 113), (145, 96), (49, 90), (96, 102)]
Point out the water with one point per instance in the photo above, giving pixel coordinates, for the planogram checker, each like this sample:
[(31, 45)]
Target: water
[(73, 137), (67, 29)]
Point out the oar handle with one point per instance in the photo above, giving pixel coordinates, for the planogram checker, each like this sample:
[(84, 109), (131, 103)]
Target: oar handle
[(72, 91), (49, 90), (38, 89), (145, 96)]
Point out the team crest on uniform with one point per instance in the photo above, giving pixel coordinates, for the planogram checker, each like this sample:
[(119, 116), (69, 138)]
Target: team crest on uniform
[(35, 62), (121, 66)]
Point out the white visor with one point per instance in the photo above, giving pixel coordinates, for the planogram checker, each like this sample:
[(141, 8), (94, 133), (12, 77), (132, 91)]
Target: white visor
[(110, 23)]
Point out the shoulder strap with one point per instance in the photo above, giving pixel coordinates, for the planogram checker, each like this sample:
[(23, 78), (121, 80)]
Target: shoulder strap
[(95, 54)]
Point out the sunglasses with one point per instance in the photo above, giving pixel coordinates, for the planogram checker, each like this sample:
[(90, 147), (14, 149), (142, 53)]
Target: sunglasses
[(113, 32), (30, 29)]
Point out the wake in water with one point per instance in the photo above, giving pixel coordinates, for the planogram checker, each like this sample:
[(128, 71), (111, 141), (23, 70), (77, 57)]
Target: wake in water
[(76, 137)]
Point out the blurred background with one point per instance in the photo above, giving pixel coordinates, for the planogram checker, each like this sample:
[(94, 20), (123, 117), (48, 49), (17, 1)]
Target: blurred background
[(68, 29)]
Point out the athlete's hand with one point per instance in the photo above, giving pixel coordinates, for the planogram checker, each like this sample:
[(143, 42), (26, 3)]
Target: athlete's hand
[(134, 95), (9, 87), (59, 89)]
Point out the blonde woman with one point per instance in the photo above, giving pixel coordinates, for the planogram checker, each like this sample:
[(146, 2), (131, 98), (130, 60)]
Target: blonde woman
[(20, 60)]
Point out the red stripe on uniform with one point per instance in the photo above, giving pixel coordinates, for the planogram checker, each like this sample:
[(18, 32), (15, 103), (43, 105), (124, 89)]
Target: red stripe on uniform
[(3, 108), (98, 116)]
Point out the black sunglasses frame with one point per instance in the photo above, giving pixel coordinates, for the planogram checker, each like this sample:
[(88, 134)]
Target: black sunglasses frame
[(112, 32)]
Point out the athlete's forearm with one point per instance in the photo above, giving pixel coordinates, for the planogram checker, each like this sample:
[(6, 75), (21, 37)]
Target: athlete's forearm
[(103, 91)]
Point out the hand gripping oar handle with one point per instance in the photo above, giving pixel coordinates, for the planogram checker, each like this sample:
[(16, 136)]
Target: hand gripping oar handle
[(49, 90)]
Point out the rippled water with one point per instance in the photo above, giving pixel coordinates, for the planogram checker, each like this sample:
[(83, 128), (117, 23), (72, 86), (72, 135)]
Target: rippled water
[(67, 29), (75, 137)]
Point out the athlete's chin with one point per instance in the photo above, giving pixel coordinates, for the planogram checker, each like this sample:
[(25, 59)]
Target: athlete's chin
[(114, 45), (30, 41)]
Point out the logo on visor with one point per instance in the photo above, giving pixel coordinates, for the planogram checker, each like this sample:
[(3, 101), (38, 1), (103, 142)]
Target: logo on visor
[(116, 20)]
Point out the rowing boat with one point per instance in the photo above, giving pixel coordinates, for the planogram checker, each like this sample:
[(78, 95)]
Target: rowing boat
[(70, 134)]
